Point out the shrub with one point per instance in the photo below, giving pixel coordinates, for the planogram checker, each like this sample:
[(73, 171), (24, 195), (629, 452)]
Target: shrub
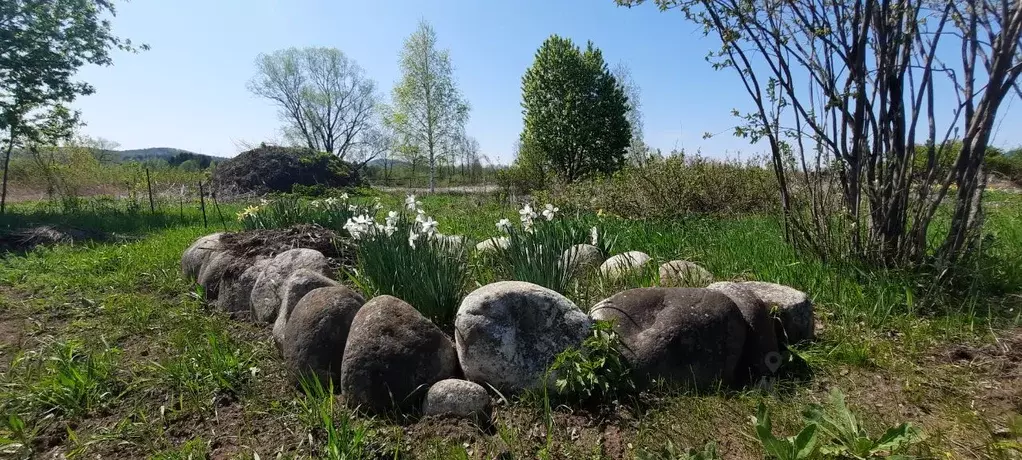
[(407, 258), (1008, 166), (594, 371), (674, 187)]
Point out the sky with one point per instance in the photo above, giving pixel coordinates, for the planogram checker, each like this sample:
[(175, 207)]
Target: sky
[(189, 90)]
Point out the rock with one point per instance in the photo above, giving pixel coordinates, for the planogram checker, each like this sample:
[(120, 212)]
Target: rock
[(458, 397), (216, 269), (492, 244), (266, 293), (198, 253), (508, 333), (630, 263), (792, 306), (761, 356), (392, 356), (682, 273), (690, 336), (584, 257), (316, 332), (235, 296), (301, 282)]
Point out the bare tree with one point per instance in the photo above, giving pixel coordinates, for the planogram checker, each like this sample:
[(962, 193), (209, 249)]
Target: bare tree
[(638, 151), (325, 99), (852, 98)]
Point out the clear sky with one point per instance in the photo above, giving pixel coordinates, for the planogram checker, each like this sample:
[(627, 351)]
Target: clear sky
[(189, 90)]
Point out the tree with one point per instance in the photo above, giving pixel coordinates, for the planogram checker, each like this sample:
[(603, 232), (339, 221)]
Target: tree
[(43, 43), (575, 111), (429, 111), (843, 92), (325, 100), (638, 152)]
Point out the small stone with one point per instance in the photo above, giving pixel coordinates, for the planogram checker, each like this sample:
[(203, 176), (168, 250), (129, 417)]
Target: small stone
[(492, 244), (682, 273), (582, 257), (458, 397), (623, 265)]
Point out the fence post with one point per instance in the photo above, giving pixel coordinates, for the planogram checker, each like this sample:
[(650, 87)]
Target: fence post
[(149, 186), (202, 203), (212, 193)]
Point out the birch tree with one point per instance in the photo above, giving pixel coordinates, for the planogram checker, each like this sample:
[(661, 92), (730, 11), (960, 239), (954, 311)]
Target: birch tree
[(429, 111)]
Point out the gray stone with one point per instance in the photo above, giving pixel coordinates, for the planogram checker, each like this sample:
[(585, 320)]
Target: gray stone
[(508, 333), (689, 336), (235, 296), (623, 265), (296, 286), (214, 271), (492, 244), (582, 257), (682, 273), (459, 398), (392, 356), (198, 253), (761, 356), (792, 306), (266, 292), (317, 331)]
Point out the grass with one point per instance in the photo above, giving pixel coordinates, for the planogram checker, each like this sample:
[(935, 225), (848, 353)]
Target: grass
[(104, 352)]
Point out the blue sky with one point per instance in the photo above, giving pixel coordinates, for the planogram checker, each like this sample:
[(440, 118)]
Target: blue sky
[(189, 91)]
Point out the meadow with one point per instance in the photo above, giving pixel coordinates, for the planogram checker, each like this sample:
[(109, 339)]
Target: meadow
[(106, 350)]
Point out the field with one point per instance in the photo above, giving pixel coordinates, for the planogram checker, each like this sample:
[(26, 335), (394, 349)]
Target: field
[(107, 352)]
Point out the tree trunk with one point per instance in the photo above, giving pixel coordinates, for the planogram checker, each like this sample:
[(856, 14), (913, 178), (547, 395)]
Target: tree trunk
[(7, 167)]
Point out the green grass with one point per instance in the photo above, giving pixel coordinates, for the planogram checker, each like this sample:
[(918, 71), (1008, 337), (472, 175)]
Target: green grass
[(114, 349)]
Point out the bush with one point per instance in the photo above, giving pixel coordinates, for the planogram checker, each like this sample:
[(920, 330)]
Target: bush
[(594, 371), (676, 186), (1008, 166)]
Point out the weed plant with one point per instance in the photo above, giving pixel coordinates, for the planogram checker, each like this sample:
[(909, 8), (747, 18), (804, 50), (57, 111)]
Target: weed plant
[(341, 437)]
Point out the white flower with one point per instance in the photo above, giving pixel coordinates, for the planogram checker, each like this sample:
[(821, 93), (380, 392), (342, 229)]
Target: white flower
[(392, 218), (344, 196), (330, 201), (412, 236), (358, 226), (263, 202), (527, 215), (352, 208), (594, 236), (504, 225), (550, 211), (389, 229), (411, 204), (316, 203), (428, 225)]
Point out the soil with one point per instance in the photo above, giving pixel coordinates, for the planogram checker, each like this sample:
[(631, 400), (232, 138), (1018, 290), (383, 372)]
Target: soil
[(254, 244)]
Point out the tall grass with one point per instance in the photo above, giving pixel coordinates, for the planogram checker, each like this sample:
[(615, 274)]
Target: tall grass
[(289, 210), (69, 381), (342, 438), (537, 255)]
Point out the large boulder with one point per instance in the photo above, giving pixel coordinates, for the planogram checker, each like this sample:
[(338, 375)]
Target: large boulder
[(219, 266), (508, 333), (792, 306), (266, 292), (271, 168), (317, 331), (296, 286), (460, 398), (392, 356), (235, 296), (682, 273), (582, 257), (689, 336), (761, 356), (198, 253), (624, 265)]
